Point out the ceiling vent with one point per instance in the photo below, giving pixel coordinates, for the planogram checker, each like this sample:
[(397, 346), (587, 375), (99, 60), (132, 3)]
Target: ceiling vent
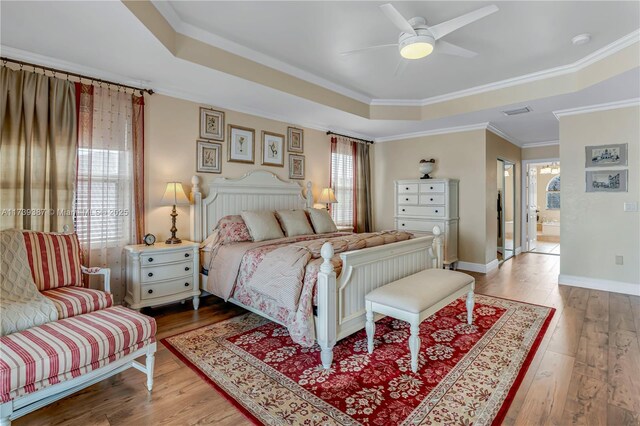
[(517, 111)]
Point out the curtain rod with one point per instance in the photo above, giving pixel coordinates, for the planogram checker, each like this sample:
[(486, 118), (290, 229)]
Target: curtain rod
[(329, 132), (72, 74)]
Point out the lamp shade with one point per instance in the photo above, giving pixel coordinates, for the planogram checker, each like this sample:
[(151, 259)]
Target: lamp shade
[(327, 196), (174, 194)]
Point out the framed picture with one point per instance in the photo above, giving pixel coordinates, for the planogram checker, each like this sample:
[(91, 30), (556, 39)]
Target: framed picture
[(606, 155), (296, 166), (241, 146), (272, 149), (295, 139), (211, 124), (209, 157), (606, 180)]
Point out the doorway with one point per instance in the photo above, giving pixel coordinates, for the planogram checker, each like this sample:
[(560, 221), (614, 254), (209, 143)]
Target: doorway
[(506, 206), (542, 182)]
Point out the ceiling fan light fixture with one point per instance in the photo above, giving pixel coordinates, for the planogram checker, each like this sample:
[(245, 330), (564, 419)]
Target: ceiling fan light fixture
[(416, 47)]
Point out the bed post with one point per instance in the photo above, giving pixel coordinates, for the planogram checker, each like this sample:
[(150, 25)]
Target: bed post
[(309, 196), (195, 212), (437, 246), (326, 322)]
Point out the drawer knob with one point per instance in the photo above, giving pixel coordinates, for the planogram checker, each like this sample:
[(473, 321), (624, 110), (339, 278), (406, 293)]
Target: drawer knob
[(186, 284), (406, 199), (403, 224), (436, 211), (150, 291), (151, 259), (150, 274), (431, 187), (430, 199), (186, 268), (403, 210), (406, 188), (186, 255)]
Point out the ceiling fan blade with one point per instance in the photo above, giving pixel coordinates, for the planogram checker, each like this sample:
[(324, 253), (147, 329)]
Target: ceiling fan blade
[(397, 19), (452, 49), (364, 49), (402, 65), (447, 27)]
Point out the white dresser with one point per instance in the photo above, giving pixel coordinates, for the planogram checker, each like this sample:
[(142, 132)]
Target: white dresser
[(421, 204), (162, 273)]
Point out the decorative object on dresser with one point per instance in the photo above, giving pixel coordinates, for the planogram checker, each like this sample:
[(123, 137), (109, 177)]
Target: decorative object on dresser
[(162, 274), (211, 124), (241, 147), (209, 157), (426, 167), (295, 139), (149, 239), (296, 166), (272, 149), (327, 196), (174, 195), (422, 205)]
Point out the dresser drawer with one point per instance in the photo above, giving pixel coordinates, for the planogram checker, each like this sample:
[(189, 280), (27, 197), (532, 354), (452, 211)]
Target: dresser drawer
[(436, 211), (432, 187), (419, 225), (161, 289), (432, 199), (156, 258), (407, 188), (407, 199), (166, 272)]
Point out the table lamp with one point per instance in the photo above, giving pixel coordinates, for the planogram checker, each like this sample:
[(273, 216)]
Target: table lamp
[(327, 197), (174, 195)]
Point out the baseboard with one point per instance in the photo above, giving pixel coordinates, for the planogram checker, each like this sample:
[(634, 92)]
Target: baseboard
[(478, 267), (518, 250), (600, 284)]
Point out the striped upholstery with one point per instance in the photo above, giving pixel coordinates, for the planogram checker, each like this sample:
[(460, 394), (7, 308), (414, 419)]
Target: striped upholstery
[(61, 350), (72, 301), (54, 259)]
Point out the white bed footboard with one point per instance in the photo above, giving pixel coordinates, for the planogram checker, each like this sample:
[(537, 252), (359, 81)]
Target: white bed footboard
[(341, 304)]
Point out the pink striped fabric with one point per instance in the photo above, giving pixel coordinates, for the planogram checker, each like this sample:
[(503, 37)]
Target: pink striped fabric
[(54, 259), (60, 350), (72, 301)]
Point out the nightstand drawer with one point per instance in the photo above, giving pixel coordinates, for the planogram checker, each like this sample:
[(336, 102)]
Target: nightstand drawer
[(166, 272), (156, 258), (161, 289)]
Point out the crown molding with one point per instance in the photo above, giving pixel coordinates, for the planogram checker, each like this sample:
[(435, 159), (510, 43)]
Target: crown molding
[(493, 129), (539, 144), (597, 107), (441, 131)]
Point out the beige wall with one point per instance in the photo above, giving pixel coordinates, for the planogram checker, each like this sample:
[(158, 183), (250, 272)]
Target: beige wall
[(594, 226), (459, 156), (541, 152), (171, 131)]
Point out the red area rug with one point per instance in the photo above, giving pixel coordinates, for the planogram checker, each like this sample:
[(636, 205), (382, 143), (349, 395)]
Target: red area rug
[(467, 374)]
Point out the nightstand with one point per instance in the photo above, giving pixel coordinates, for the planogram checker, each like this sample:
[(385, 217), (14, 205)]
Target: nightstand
[(162, 273)]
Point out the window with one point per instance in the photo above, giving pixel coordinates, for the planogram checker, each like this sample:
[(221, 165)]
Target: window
[(553, 193), (342, 179)]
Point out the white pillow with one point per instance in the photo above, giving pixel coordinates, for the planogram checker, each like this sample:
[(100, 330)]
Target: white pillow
[(321, 221), (262, 225), (294, 222)]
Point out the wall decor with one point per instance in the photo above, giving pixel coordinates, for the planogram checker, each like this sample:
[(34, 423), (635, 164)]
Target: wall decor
[(241, 146), (211, 124), (272, 149), (296, 166), (606, 180), (209, 157), (606, 155), (295, 139)]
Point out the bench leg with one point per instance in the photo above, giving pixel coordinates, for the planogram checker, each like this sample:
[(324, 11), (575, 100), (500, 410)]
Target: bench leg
[(470, 304), (370, 326), (414, 345), (149, 367)]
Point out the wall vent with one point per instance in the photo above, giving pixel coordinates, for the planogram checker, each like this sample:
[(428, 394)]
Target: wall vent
[(517, 111)]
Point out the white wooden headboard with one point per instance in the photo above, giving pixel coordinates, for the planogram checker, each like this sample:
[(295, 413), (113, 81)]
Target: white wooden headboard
[(257, 190)]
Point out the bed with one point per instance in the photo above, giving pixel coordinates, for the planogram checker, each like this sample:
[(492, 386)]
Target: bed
[(339, 309)]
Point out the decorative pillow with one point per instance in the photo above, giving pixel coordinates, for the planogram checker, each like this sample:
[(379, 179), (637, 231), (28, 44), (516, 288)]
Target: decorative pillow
[(294, 222), (321, 221), (232, 229), (54, 259), (262, 225)]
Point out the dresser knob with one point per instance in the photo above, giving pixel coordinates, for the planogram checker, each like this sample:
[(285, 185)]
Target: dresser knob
[(436, 211), (407, 188), (431, 187), (403, 210), (150, 291), (186, 268), (186, 284), (151, 259), (406, 199), (430, 199), (186, 255), (150, 274), (403, 224)]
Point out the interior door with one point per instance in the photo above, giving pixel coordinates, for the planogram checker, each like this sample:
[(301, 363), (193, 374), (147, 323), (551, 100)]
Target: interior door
[(532, 208)]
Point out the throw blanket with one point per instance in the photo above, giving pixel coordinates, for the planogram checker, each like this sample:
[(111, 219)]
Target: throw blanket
[(21, 304)]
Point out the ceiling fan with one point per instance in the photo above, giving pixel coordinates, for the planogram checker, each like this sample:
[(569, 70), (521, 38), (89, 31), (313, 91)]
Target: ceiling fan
[(418, 40)]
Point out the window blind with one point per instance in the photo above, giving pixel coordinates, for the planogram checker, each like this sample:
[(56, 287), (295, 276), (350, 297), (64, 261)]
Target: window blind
[(342, 179)]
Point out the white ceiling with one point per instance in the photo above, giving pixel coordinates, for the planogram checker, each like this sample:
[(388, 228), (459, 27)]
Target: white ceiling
[(521, 38), (104, 39)]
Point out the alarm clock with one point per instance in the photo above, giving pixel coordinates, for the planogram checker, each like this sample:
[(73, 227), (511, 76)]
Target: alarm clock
[(149, 239)]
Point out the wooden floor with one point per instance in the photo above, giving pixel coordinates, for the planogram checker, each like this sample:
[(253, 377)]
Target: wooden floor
[(587, 370)]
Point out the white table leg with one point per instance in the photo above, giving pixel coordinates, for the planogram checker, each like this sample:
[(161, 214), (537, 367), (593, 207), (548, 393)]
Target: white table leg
[(414, 344), (470, 304), (370, 326)]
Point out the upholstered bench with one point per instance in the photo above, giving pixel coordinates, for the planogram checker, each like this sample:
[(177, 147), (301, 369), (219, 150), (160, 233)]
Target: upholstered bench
[(415, 298)]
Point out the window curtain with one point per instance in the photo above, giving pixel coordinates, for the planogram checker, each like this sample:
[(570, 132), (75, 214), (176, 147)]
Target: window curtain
[(363, 216), (37, 151)]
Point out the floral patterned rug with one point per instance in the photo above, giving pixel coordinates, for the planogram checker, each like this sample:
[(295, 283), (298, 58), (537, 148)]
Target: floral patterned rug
[(467, 374)]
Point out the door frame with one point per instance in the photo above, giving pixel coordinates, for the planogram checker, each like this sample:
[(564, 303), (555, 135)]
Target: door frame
[(524, 236), (514, 165)]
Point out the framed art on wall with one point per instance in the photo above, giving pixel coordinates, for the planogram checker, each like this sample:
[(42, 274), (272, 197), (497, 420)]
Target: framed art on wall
[(295, 139), (272, 149), (606, 155), (241, 146), (211, 124), (209, 157), (296, 166), (606, 180)]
